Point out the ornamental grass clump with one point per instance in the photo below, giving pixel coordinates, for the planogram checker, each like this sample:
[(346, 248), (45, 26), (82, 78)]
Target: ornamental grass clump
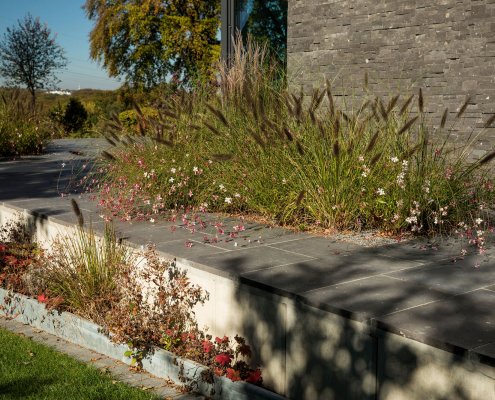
[(81, 270), (251, 146), (22, 129)]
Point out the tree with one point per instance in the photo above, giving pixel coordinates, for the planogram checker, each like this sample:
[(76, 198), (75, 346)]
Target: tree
[(267, 22), (29, 56), (149, 41), (75, 115)]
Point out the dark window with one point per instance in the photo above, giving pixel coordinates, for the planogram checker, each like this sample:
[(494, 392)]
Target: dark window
[(263, 20)]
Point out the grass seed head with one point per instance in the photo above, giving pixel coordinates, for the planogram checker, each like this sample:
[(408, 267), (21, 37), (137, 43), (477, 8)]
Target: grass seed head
[(444, 118)]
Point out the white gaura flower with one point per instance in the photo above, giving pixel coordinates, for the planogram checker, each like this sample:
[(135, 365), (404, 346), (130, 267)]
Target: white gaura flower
[(380, 192), (394, 159), (412, 220), (173, 170), (228, 200), (478, 221), (171, 180)]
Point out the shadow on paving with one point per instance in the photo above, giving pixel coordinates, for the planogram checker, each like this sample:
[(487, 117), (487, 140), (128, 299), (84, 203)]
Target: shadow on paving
[(31, 183), (349, 344), (56, 172)]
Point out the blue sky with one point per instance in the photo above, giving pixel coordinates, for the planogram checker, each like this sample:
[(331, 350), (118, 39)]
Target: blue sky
[(67, 20)]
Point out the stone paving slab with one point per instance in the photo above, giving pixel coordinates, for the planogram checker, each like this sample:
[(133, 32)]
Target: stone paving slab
[(115, 368), (423, 250), (453, 278), (244, 260), (466, 320), (408, 286), (310, 275), (375, 296)]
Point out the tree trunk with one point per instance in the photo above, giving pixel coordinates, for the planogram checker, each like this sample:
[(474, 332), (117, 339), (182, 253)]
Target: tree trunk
[(33, 98)]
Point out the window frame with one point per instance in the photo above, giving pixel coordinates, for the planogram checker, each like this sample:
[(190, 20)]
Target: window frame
[(229, 25)]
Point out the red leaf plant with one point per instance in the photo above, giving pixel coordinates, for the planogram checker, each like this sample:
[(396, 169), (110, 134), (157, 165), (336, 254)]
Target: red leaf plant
[(223, 359), (163, 316), (42, 298)]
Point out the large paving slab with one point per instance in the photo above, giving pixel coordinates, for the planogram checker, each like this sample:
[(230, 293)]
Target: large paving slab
[(414, 287)]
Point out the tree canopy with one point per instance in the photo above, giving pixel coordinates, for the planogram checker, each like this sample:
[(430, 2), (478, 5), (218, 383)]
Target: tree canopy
[(149, 41), (29, 55), (267, 22)]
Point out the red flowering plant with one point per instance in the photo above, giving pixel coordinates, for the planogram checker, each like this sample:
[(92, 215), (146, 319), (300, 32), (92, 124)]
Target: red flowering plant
[(164, 304), (230, 360), (225, 357)]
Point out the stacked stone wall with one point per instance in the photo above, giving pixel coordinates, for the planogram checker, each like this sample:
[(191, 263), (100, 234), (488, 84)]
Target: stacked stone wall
[(445, 47)]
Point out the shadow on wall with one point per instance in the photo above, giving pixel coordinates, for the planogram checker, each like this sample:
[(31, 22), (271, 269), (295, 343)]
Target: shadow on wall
[(25, 228), (310, 353), (320, 355)]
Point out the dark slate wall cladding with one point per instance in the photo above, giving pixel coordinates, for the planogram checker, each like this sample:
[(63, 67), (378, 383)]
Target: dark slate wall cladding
[(447, 47)]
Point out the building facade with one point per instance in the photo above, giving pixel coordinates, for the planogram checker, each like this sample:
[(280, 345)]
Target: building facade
[(445, 47)]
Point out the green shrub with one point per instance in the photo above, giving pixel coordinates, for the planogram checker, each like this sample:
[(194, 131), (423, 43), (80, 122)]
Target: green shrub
[(130, 118), (75, 115)]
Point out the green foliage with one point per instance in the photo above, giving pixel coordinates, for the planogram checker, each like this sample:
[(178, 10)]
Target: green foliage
[(75, 115), (267, 23), (54, 376), (29, 55), (98, 106), (146, 41), (129, 118), (23, 131)]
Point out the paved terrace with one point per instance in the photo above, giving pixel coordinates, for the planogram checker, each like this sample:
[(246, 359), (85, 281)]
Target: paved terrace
[(413, 289)]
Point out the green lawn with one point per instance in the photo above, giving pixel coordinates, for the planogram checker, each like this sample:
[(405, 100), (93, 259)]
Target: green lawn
[(29, 370)]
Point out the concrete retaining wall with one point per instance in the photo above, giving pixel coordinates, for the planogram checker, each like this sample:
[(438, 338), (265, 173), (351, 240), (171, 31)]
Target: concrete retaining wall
[(310, 353)]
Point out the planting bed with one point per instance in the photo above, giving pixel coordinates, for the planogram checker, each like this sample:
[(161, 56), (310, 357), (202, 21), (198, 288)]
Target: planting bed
[(326, 318), (162, 364)]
